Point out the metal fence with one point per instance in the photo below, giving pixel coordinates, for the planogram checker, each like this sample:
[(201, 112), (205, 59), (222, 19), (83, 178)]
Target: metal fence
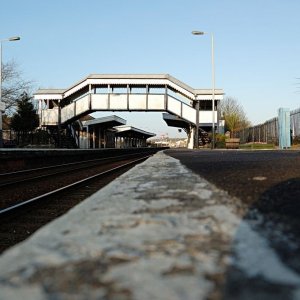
[(295, 124), (268, 131), (37, 137)]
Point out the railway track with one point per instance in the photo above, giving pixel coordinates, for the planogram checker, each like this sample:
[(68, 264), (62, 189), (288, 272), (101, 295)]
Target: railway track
[(18, 186), (32, 198), (12, 178)]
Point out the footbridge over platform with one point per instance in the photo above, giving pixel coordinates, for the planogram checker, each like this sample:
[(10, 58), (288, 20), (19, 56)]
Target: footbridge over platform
[(153, 93)]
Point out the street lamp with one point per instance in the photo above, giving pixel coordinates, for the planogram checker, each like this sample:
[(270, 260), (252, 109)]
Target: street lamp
[(213, 83), (2, 106)]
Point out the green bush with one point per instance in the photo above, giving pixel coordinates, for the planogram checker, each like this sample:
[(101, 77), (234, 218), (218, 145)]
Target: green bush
[(220, 141)]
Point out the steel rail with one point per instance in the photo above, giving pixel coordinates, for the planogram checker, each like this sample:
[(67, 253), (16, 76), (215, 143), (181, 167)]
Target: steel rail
[(82, 167), (56, 191)]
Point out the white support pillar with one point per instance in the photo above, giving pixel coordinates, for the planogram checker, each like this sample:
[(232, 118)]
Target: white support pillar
[(191, 138), (87, 137), (99, 138), (93, 137), (40, 112)]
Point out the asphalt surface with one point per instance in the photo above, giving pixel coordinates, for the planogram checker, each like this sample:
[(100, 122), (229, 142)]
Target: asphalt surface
[(268, 182), (250, 175)]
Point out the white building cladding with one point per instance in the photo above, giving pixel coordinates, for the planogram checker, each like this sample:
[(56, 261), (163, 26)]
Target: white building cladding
[(98, 92)]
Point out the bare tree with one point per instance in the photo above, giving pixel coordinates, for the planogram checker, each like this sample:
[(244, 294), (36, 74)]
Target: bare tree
[(233, 114), (13, 86)]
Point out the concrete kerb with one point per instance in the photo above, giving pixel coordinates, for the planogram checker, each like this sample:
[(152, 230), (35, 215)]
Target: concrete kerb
[(157, 232)]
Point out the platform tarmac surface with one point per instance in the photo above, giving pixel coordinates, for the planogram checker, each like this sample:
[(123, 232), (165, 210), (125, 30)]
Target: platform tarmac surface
[(162, 231)]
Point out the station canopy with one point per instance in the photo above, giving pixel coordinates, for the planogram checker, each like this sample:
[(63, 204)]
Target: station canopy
[(130, 131), (105, 122)]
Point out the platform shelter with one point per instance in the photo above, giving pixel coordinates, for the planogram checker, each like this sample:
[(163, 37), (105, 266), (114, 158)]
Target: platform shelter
[(99, 132), (111, 132), (129, 137)]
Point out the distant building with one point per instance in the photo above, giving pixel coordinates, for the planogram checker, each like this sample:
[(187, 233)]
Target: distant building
[(170, 142)]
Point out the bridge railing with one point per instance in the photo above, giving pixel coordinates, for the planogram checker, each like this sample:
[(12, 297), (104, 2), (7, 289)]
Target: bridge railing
[(49, 116), (128, 102), (125, 102), (295, 122), (119, 102)]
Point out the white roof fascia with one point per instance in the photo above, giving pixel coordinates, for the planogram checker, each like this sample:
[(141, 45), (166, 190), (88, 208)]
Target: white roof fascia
[(143, 82), (206, 94), (131, 79), (182, 90), (104, 120), (208, 91), (209, 97), (76, 88), (48, 96), (118, 80), (49, 91), (123, 81), (123, 128)]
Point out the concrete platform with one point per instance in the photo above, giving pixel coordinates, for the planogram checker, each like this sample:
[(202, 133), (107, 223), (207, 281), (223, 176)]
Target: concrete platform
[(157, 232)]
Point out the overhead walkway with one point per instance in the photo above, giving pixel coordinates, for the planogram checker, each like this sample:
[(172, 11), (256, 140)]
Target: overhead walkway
[(153, 93)]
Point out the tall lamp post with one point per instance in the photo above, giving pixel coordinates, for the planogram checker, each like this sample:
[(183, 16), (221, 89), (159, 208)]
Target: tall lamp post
[(2, 106), (213, 83)]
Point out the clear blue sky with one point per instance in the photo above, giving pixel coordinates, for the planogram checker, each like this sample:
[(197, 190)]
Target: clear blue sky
[(257, 46)]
